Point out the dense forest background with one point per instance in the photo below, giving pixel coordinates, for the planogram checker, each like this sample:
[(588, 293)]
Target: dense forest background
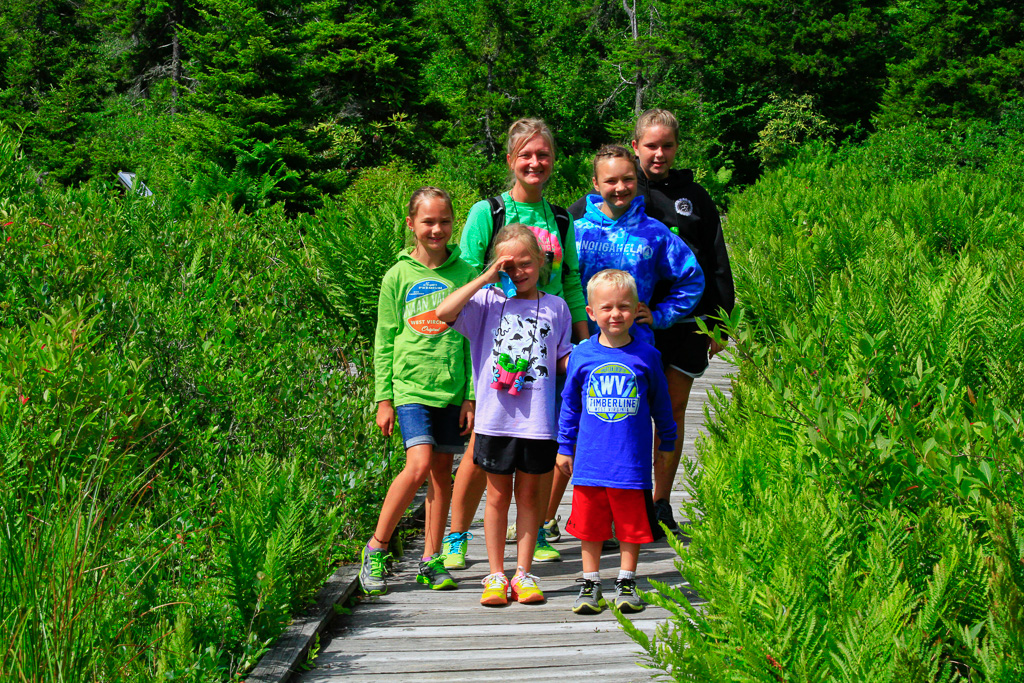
[(187, 447), (271, 100)]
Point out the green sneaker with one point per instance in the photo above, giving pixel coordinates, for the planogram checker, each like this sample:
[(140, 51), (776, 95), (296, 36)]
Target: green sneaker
[(554, 535), (453, 547), (543, 552), (371, 572), (433, 574)]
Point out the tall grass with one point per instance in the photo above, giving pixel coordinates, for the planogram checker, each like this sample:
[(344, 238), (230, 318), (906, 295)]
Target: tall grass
[(186, 432), (859, 499)]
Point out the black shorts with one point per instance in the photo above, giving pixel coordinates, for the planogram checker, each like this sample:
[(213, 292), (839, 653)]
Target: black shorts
[(684, 348), (506, 454)]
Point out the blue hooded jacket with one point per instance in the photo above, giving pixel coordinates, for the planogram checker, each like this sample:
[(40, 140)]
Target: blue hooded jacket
[(647, 250)]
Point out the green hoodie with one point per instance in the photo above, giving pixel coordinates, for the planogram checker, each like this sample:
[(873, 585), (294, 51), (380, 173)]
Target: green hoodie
[(418, 358)]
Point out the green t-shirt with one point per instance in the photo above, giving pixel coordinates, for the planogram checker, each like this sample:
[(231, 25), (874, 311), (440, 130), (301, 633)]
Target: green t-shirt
[(416, 357), (539, 217)]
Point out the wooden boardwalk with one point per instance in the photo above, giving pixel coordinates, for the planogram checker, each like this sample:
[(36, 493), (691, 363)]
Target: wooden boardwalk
[(416, 634)]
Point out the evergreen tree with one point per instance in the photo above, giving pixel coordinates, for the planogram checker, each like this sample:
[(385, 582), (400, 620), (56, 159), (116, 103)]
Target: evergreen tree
[(959, 60), (53, 79)]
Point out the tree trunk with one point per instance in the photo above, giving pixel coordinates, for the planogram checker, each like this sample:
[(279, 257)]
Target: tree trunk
[(489, 142), (638, 76), (175, 54)]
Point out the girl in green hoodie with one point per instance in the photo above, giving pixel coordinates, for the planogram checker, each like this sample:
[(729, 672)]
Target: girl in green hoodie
[(423, 380)]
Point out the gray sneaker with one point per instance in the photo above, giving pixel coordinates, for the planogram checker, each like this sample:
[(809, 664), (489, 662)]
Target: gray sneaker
[(590, 600), (372, 570), (433, 574), (664, 509), (626, 598)]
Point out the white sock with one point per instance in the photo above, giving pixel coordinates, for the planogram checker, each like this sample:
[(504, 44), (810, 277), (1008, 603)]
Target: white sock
[(592, 576), (623, 574)]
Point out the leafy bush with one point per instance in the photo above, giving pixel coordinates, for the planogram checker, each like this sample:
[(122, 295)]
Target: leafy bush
[(859, 498), (187, 437)]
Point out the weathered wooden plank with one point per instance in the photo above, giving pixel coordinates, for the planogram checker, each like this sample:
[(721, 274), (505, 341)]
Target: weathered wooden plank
[(472, 640), (621, 672)]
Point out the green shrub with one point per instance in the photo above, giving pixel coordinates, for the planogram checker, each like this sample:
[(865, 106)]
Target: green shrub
[(858, 499), (188, 439)]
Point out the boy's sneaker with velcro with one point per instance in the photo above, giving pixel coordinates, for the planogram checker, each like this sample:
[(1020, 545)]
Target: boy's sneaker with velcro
[(433, 574), (543, 552), (590, 600), (453, 547), (626, 598), (551, 529), (372, 570)]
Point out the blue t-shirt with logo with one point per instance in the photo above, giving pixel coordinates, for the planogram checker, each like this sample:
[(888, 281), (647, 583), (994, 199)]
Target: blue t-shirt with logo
[(610, 397)]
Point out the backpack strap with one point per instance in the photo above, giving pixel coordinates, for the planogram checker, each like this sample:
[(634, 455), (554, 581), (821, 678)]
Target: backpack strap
[(562, 220), (497, 205)]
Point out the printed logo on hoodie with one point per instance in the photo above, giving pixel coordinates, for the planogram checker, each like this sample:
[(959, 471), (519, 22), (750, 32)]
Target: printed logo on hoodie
[(421, 307)]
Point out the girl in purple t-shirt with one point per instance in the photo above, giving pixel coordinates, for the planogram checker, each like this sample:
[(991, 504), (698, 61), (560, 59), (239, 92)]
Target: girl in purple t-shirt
[(517, 344)]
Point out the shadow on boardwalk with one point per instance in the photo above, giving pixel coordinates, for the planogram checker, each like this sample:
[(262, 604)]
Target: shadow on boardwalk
[(417, 634)]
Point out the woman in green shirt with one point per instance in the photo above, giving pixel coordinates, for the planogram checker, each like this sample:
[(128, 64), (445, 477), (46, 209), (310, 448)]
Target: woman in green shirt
[(530, 154)]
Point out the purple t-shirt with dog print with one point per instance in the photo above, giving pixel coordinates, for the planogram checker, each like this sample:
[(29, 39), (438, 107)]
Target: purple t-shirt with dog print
[(537, 330)]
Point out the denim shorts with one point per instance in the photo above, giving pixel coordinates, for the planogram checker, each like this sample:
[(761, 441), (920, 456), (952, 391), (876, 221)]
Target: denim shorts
[(438, 427)]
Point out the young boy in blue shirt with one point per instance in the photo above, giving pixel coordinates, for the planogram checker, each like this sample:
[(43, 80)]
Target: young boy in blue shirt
[(614, 386)]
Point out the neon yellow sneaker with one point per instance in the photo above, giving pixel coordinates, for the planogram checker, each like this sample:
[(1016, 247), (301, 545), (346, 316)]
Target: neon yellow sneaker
[(525, 589), (453, 547), (543, 552), (495, 590)]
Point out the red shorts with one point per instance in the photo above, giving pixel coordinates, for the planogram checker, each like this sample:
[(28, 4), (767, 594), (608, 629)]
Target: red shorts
[(594, 508)]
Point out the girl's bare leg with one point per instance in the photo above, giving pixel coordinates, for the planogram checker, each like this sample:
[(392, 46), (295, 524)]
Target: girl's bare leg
[(499, 498), (679, 385), (530, 495), (470, 482), (401, 492), (439, 499)]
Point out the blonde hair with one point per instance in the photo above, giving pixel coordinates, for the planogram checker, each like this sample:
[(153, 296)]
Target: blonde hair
[(615, 278), (517, 232), (611, 152), (427, 192), (655, 117), (524, 130), (521, 132)]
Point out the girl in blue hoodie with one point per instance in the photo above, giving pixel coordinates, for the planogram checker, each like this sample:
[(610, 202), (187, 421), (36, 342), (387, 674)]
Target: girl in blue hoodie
[(615, 232)]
